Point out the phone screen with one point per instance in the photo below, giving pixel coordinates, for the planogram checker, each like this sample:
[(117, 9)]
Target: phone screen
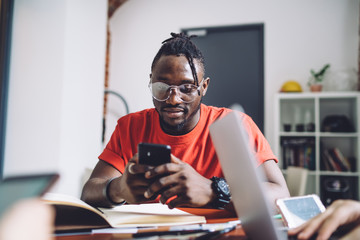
[(304, 209), (154, 154), (298, 210)]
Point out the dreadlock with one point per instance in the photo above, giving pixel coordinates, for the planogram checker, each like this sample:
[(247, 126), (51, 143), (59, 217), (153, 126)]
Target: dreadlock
[(181, 44)]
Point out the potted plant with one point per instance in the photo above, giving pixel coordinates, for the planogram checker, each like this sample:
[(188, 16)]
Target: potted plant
[(316, 79)]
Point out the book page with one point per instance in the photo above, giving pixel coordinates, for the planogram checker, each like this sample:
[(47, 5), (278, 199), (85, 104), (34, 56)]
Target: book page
[(61, 199), (149, 214), (75, 213)]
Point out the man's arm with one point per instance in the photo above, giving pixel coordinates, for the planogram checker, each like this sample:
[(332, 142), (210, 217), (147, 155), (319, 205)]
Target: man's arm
[(94, 189), (108, 187), (193, 190), (276, 185)]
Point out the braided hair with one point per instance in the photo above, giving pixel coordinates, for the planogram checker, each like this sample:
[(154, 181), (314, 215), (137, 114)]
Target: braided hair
[(181, 44)]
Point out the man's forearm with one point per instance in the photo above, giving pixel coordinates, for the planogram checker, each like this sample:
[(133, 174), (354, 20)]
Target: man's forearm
[(275, 191), (94, 192)]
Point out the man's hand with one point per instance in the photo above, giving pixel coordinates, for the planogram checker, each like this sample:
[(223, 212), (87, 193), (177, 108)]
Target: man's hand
[(132, 183), (28, 219), (339, 213), (179, 182)]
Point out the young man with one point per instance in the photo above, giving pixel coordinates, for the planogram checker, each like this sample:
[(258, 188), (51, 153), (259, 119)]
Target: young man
[(179, 119)]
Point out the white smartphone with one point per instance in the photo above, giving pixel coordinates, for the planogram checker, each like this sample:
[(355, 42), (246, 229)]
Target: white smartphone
[(297, 210)]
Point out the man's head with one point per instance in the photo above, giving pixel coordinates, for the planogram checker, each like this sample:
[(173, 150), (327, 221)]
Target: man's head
[(177, 83)]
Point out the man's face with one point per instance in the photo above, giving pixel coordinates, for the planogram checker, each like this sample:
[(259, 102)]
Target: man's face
[(177, 117)]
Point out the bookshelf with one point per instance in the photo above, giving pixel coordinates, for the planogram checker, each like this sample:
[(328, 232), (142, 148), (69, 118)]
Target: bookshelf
[(320, 132)]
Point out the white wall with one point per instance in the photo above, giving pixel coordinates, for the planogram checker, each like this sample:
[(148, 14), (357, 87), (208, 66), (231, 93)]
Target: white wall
[(54, 119), (299, 35), (57, 65)]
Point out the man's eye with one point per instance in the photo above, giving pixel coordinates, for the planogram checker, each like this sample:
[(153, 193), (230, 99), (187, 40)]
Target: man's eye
[(186, 88), (161, 87), (164, 88)]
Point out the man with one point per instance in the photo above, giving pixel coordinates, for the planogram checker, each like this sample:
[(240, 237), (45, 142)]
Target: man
[(179, 119)]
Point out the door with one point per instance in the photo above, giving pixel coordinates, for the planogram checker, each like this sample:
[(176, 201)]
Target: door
[(234, 61)]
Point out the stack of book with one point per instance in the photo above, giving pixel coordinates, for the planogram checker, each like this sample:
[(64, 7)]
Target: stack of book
[(334, 160), (298, 152)]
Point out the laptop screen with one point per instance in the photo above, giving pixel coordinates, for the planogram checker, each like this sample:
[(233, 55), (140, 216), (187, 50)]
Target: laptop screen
[(15, 188), (231, 143)]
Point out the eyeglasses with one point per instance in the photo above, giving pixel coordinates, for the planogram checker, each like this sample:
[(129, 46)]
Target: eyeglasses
[(187, 92)]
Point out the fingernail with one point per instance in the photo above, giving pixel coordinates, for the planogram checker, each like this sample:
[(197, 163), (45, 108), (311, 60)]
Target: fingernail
[(147, 194)]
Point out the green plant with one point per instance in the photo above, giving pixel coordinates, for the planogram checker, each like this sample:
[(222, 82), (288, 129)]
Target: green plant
[(318, 77)]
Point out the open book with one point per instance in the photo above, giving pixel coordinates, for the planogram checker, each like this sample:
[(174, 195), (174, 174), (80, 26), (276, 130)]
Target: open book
[(73, 213)]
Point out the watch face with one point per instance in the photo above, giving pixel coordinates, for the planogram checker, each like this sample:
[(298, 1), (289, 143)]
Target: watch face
[(223, 186)]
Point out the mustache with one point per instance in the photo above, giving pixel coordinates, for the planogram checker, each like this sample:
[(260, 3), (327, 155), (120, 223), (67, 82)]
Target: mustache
[(174, 106)]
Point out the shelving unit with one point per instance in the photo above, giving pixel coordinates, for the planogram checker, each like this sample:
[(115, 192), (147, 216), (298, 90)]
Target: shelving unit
[(302, 140)]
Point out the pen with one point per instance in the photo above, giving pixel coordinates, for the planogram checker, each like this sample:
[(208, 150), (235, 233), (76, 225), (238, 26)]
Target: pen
[(162, 233), (211, 235)]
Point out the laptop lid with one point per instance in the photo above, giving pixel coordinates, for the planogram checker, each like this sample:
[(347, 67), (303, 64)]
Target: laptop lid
[(14, 188), (237, 161)]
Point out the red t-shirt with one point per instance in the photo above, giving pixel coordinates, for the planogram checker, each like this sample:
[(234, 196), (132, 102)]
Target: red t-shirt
[(194, 148)]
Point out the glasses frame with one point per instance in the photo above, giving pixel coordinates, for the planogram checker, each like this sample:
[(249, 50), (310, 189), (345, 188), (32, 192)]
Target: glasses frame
[(176, 87)]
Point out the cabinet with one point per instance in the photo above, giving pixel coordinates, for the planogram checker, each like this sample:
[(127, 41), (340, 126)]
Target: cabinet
[(320, 132)]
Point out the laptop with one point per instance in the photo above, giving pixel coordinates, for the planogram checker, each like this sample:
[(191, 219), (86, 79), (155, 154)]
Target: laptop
[(231, 143), (15, 188)]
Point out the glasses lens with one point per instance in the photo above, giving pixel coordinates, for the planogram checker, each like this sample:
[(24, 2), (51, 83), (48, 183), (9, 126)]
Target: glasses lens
[(188, 89), (161, 91)]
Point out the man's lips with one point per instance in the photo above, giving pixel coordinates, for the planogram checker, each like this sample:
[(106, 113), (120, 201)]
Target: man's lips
[(173, 112)]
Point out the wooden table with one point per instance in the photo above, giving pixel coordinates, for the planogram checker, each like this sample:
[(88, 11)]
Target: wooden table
[(211, 215)]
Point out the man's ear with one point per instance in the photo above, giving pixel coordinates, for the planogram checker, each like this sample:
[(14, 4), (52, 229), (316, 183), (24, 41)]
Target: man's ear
[(205, 85), (150, 75)]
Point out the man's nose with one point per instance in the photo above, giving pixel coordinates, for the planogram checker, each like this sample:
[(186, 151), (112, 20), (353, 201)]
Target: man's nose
[(174, 97)]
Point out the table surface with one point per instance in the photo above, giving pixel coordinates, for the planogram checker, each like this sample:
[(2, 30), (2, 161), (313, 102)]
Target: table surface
[(211, 215)]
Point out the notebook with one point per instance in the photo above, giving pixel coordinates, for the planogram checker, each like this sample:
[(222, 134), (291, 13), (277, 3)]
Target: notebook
[(231, 143), (14, 188)]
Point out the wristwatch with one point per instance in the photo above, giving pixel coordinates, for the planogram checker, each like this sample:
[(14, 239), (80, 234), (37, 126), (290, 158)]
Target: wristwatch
[(222, 191)]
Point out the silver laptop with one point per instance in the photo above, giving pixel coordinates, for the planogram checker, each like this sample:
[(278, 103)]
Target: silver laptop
[(245, 180)]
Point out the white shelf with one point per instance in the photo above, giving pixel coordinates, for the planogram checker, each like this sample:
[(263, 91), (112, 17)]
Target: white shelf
[(304, 108)]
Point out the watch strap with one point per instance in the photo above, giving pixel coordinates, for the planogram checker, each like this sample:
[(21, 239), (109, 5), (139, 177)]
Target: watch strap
[(222, 192)]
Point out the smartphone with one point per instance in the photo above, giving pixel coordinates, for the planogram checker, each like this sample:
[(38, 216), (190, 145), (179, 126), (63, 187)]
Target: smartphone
[(297, 210), (154, 154)]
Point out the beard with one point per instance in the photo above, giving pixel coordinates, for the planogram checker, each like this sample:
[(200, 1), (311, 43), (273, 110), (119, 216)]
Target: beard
[(180, 126), (174, 128)]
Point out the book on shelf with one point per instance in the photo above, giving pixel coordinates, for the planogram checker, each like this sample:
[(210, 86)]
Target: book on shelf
[(334, 160), (74, 214), (299, 152), (331, 164), (342, 158)]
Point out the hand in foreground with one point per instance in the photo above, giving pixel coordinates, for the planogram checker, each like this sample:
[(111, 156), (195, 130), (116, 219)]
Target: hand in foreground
[(28, 219), (339, 213), (133, 184), (180, 182)]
